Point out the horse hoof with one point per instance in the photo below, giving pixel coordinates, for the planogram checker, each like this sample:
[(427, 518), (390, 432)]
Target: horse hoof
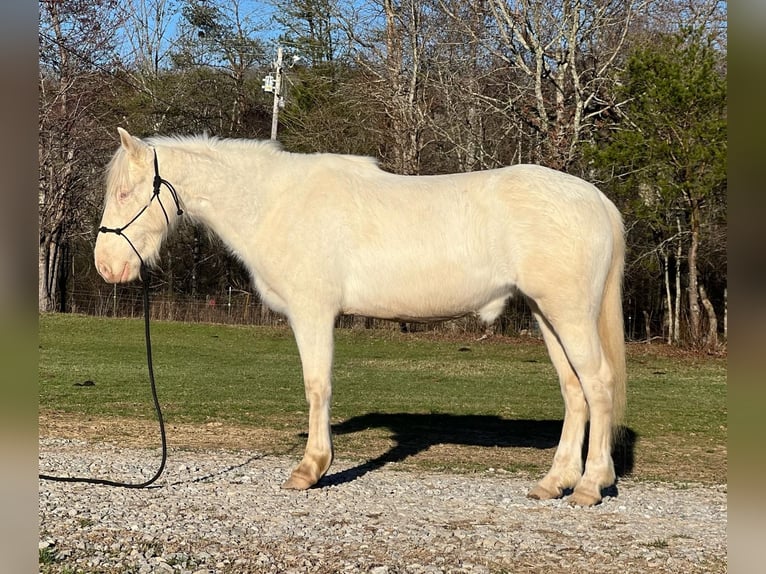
[(540, 493), (583, 499), (299, 481), (294, 483)]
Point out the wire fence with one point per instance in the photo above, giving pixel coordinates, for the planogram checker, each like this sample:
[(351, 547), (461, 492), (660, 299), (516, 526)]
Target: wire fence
[(236, 307), (246, 308)]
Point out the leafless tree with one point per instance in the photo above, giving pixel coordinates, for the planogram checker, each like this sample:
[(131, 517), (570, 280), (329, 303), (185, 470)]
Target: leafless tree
[(147, 26), (147, 44), (75, 44), (389, 40), (223, 36), (558, 58)]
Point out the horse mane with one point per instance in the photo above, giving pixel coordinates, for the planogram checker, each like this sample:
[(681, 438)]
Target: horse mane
[(115, 172), (117, 168), (204, 142)]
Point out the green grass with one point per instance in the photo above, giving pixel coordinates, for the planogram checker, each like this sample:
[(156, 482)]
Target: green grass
[(47, 556), (251, 375), (417, 391)]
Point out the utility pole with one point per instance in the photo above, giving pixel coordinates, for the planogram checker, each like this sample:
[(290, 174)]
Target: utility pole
[(278, 101), (272, 84)]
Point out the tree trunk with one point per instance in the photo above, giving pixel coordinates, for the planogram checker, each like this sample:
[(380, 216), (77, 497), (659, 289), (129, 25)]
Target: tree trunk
[(668, 298), (51, 273), (677, 310), (693, 290), (647, 326), (711, 340), (45, 298), (402, 75)]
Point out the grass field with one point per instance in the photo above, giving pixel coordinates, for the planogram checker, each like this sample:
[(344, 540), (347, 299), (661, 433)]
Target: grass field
[(407, 400)]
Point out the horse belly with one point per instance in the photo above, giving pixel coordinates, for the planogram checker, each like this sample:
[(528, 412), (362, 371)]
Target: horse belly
[(423, 293)]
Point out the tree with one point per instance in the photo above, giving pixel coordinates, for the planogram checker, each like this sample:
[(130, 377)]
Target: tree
[(147, 27), (76, 46), (321, 111), (463, 86), (311, 28), (391, 53), (224, 37), (557, 59), (146, 54), (671, 152)]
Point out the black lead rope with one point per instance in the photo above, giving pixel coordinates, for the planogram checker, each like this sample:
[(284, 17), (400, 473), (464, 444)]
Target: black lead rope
[(158, 182)]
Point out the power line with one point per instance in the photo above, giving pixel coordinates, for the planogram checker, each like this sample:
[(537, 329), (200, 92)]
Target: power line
[(101, 68)]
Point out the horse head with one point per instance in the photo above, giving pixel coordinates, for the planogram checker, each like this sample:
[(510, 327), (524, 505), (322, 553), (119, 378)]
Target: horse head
[(135, 218)]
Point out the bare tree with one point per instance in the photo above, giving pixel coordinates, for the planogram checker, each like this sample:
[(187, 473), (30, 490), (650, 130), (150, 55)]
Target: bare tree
[(463, 90), (75, 43), (559, 58), (147, 32), (492, 81), (222, 36), (391, 52)]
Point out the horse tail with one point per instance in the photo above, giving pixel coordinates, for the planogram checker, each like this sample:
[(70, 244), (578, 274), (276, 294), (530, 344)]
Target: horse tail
[(610, 323)]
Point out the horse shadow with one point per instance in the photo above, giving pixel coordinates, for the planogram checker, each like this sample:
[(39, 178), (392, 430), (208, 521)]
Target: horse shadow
[(413, 433)]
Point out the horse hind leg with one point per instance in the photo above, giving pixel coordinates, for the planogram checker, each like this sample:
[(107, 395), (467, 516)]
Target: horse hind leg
[(566, 469), (597, 380), (572, 336)]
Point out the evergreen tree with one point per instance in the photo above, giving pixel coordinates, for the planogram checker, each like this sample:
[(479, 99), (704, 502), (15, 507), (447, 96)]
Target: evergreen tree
[(667, 157)]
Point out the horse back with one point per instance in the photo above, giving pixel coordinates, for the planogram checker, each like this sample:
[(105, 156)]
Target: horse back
[(444, 246)]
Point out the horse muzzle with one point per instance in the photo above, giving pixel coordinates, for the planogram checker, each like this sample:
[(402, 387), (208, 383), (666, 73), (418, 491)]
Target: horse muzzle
[(123, 274)]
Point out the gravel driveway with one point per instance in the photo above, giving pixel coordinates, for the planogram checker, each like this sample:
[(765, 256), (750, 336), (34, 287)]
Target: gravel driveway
[(224, 512)]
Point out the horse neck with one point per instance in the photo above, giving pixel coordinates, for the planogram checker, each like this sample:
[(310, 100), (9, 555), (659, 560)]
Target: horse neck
[(221, 186)]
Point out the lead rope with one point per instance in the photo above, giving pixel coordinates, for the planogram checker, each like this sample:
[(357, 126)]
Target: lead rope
[(144, 274)]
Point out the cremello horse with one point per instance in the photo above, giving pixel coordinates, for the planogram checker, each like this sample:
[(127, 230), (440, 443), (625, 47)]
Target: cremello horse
[(327, 234)]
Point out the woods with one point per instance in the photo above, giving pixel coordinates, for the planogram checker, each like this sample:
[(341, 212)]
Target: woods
[(628, 94)]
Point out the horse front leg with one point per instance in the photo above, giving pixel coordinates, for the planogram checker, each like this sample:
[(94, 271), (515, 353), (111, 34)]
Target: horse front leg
[(315, 345)]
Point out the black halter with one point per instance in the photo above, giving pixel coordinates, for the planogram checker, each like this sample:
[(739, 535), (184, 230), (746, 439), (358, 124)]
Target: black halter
[(157, 184)]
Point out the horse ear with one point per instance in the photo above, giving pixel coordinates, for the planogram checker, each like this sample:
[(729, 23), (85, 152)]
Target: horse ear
[(135, 147)]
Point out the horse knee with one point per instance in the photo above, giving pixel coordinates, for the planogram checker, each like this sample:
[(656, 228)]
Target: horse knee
[(318, 394)]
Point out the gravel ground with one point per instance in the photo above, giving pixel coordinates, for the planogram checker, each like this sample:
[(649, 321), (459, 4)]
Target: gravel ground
[(224, 512)]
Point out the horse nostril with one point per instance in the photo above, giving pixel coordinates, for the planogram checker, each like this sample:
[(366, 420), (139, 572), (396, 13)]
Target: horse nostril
[(104, 270)]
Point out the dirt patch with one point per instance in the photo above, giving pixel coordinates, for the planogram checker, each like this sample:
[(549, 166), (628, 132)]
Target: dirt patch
[(138, 433), (669, 458), (678, 459)]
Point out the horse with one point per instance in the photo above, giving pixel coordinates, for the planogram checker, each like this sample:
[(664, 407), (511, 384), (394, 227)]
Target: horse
[(328, 234)]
